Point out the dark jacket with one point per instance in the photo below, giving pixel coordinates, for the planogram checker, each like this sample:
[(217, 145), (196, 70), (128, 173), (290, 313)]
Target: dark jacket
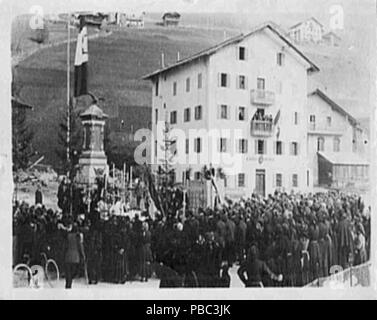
[(74, 250), (255, 270)]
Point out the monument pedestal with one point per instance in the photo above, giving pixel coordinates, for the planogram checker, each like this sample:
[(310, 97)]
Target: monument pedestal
[(93, 161)]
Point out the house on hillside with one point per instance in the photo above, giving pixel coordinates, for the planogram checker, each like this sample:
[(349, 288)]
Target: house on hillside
[(310, 30), (331, 39), (171, 19), (134, 21), (336, 151), (242, 99)]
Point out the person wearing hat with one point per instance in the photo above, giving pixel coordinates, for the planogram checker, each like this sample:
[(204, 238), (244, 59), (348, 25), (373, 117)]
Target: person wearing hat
[(74, 252), (255, 269), (360, 247), (38, 195)]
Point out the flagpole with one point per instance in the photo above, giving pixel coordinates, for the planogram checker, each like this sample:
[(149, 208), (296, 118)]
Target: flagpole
[(68, 90)]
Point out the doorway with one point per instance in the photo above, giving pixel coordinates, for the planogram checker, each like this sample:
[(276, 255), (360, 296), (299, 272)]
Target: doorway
[(260, 182)]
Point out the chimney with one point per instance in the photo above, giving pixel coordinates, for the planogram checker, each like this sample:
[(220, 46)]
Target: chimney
[(162, 60)]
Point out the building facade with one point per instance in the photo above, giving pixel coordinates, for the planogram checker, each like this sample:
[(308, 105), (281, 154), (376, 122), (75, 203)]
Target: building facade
[(310, 30), (238, 106), (336, 149)]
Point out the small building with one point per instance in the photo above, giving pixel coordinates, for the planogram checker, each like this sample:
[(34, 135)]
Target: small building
[(134, 21), (310, 30), (171, 19), (331, 39), (335, 144)]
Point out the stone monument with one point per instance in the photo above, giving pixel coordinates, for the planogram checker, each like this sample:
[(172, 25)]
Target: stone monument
[(92, 161)]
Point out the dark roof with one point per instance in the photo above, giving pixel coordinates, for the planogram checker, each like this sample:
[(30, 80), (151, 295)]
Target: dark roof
[(311, 18), (205, 53), (94, 111), (18, 103), (334, 105), (171, 15)]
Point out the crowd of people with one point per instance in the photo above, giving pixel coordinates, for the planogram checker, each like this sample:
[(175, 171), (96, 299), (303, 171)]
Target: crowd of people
[(295, 239)]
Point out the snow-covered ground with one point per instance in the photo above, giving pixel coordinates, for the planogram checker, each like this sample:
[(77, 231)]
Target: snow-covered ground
[(152, 283)]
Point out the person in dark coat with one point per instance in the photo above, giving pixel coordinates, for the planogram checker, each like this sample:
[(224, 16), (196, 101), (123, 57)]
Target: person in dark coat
[(255, 269), (74, 253), (240, 238), (314, 250), (230, 241), (38, 196), (94, 242), (146, 258), (345, 241)]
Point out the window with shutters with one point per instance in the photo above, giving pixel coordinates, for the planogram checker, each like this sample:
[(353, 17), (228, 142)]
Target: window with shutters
[(188, 85), (241, 82), (241, 180), (242, 53), (156, 88), (198, 145), (224, 111), (187, 147), (187, 115), (223, 145), (295, 118), (241, 115), (156, 115), (200, 81), (261, 146), (174, 88), (278, 147), (224, 80), (198, 112), (295, 180), (278, 180), (260, 83), (294, 149), (155, 148), (242, 146), (280, 59), (336, 144), (320, 144), (173, 117)]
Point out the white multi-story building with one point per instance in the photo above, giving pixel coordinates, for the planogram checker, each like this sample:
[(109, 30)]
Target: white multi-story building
[(336, 149), (310, 30), (250, 94)]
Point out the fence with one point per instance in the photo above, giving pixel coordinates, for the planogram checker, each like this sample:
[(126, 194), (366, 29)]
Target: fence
[(358, 276)]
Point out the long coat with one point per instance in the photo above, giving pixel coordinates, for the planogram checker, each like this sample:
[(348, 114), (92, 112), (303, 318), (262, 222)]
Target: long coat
[(74, 248)]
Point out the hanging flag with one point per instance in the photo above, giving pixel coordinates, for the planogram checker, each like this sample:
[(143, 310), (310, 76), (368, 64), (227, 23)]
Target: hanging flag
[(277, 117), (155, 197), (81, 61)]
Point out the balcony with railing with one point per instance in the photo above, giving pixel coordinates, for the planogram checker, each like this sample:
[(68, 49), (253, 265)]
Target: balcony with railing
[(262, 97), (261, 128)]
